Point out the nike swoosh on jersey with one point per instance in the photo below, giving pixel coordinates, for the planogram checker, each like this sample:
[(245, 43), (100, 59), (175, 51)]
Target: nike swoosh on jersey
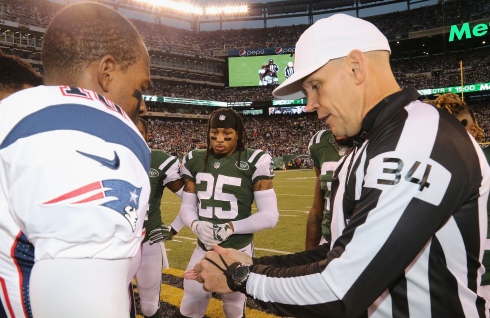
[(112, 164)]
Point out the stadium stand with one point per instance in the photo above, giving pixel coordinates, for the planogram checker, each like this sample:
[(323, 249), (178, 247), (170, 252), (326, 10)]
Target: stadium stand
[(192, 65), (278, 134)]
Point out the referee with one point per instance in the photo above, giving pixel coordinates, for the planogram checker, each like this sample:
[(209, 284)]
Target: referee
[(289, 70), (408, 203)]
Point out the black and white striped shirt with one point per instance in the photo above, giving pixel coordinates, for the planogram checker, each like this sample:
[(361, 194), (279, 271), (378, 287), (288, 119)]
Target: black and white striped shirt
[(408, 227), (288, 72)]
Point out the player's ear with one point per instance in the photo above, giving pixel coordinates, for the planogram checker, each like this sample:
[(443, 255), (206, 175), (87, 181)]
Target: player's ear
[(107, 66), (357, 64)]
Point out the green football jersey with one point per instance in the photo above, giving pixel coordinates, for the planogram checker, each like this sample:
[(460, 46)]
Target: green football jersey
[(485, 280), (225, 188), (325, 153), (164, 169)]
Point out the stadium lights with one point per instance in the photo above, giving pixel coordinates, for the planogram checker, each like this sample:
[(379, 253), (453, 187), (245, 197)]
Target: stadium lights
[(228, 9), (189, 8), (181, 7)]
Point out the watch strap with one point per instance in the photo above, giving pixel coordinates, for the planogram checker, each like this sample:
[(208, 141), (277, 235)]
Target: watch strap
[(229, 278)]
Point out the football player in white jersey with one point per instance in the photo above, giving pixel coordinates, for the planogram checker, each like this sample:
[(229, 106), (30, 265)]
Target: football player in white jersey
[(74, 170), (262, 73), (221, 183), (164, 173), (17, 75)]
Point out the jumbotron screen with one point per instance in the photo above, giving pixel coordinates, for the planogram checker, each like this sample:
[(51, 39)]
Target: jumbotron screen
[(244, 71)]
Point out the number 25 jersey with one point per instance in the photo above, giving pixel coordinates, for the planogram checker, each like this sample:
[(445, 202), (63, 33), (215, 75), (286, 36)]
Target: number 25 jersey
[(225, 188)]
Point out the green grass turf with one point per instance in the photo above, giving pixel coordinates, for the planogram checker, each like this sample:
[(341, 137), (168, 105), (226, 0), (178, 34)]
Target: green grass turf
[(294, 191)]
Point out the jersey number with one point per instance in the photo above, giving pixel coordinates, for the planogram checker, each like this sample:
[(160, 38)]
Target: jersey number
[(327, 171), (409, 176), (217, 195)]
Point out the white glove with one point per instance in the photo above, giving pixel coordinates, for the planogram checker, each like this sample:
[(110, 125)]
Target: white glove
[(221, 232), (204, 232)]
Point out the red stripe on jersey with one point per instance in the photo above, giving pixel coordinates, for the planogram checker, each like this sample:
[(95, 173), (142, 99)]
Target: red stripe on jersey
[(80, 92), (89, 187), (19, 271), (6, 296), (92, 198)]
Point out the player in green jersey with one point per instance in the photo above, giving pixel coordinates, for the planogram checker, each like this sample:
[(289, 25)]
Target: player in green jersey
[(325, 151), (164, 173), (221, 183)]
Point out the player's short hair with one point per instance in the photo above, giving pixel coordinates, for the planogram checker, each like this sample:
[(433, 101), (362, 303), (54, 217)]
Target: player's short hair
[(82, 33), (240, 129), (17, 73)]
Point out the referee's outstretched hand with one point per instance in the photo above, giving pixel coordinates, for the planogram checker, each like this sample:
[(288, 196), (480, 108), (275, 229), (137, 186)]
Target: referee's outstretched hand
[(236, 255)]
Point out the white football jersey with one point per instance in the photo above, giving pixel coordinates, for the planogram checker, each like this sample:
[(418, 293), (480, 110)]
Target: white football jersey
[(73, 173)]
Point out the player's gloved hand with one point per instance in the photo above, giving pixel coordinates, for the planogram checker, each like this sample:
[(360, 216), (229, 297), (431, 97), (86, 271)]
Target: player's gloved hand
[(221, 232), (159, 234), (204, 232)]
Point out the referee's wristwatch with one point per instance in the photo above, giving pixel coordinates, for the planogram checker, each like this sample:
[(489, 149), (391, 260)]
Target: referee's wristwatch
[(240, 275), (237, 275)]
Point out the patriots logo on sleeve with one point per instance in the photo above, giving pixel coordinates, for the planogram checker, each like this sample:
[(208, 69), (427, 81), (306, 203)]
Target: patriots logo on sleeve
[(118, 195)]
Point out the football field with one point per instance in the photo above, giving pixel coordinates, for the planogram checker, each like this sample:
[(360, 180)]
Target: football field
[(294, 191)]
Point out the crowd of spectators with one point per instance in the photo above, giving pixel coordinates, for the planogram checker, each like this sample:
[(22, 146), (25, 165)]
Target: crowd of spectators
[(28, 12), (276, 134), (165, 38), (202, 92), (482, 113), (445, 13), (414, 71)]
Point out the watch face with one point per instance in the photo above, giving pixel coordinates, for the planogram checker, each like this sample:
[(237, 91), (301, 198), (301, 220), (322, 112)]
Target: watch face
[(241, 272)]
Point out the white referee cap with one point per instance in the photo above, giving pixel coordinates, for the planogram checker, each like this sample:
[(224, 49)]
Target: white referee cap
[(328, 39)]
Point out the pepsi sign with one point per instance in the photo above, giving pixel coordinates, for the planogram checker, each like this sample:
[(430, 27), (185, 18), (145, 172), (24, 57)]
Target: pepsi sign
[(262, 51), (280, 50), (243, 52)]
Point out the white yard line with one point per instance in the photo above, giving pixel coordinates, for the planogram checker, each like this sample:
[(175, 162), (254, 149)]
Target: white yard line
[(301, 211), (269, 250), (256, 248)]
